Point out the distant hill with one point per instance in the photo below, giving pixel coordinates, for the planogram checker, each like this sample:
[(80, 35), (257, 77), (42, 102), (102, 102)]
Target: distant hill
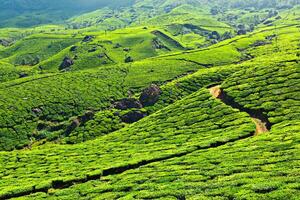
[(26, 13)]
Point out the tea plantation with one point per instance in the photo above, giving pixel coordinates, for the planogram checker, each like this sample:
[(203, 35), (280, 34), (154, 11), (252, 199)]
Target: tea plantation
[(154, 100)]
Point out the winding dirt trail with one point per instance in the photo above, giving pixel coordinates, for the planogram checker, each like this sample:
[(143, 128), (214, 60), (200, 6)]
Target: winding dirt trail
[(261, 121)]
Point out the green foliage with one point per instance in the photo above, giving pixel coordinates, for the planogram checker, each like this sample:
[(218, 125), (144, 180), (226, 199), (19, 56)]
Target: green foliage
[(31, 13), (109, 48), (264, 167), (103, 123), (61, 138), (161, 134), (275, 90), (36, 48), (53, 98), (8, 72)]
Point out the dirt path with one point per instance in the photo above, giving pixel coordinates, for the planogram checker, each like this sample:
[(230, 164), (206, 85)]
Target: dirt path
[(261, 121)]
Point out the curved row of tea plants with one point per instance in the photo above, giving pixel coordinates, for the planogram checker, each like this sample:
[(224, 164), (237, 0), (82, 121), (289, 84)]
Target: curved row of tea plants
[(195, 122), (261, 167)]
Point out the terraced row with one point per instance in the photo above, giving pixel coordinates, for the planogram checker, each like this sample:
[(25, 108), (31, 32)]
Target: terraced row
[(52, 98), (272, 90), (195, 122), (261, 167), (266, 165)]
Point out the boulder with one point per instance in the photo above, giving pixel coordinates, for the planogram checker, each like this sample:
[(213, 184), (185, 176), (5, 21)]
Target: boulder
[(37, 111), (150, 95), (133, 116), (23, 75), (117, 46), (73, 48), (67, 62), (80, 120), (88, 38), (126, 49), (127, 103), (128, 59)]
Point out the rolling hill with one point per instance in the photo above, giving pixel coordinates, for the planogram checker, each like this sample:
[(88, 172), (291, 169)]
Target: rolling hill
[(161, 99)]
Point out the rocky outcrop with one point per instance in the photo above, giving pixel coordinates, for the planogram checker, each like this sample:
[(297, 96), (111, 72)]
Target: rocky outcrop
[(73, 48), (133, 116), (128, 59), (260, 43), (88, 38), (126, 49), (150, 95), (127, 103), (157, 44), (67, 63), (89, 115)]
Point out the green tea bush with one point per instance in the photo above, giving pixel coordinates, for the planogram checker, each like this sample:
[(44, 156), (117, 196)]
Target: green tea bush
[(167, 132)]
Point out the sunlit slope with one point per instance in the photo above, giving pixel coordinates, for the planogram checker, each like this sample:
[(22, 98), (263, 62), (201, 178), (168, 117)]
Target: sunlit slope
[(191, 26), (200, 124), (261, 167), (57, 97), (34, 101), (36, 48), (120, 46)]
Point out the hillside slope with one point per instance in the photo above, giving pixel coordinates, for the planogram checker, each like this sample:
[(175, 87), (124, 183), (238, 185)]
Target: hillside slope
[(180, 103), (27, 13)]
